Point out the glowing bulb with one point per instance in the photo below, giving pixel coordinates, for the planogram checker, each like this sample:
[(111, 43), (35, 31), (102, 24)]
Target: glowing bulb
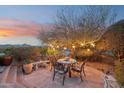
[(73, 46), (50, 45), (57, 46), (82, 44), (54, 49), (88, 49), (93, 44), (65, 48)]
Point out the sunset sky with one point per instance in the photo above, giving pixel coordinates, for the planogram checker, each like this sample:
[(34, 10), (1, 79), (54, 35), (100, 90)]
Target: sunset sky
[(21, 24)]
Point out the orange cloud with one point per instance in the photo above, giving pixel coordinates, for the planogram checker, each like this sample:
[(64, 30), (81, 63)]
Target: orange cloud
[(6, 33), (17, 28), (14, 33)]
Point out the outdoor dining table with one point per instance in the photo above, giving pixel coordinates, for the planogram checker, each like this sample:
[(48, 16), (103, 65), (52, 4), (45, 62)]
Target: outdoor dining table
[(67, 61)]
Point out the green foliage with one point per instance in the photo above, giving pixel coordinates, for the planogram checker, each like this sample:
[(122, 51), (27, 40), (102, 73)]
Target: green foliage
[(8, 51), (20, 53), (119, 72), (52, 51), (43, 51), (34, 53), (23, 53), (84, 52), (28, 61)]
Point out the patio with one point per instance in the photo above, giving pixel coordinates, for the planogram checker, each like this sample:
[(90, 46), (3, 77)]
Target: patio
[(13, 77), (42, 78)]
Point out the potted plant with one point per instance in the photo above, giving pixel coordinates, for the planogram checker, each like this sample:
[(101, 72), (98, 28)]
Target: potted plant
[(2, 58), (7, 59), (27, 66)]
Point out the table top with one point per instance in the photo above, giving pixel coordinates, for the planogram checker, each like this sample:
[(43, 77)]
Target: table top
[(67, 60)]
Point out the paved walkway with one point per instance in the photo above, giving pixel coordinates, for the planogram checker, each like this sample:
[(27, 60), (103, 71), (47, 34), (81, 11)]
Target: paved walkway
[(42, 78)]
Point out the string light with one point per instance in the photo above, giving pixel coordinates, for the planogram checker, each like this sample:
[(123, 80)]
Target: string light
[(54, 49), (50, 45), (73, 46), (82, 44), (65, 48), (57, 46), (88, 49), (93, 44)]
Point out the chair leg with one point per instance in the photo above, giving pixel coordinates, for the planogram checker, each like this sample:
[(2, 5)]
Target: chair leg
[(54, 75), (69, 73), (63, 80), (84, 72), (51, 67), (81, 77)]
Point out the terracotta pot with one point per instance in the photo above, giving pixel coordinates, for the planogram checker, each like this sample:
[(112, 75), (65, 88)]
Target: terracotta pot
[(1, 60), (7, 60), (27, 68)]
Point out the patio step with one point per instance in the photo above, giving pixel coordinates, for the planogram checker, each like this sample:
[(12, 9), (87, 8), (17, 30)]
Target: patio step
[(11, 85), (20, 78), (4, 75), (12, 75)]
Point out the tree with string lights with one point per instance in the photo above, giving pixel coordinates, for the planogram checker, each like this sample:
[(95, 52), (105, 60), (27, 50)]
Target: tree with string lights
[(79, 26)]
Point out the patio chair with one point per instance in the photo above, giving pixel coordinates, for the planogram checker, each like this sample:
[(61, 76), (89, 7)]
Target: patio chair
[(79, 69), (52, 61), (61, 70)]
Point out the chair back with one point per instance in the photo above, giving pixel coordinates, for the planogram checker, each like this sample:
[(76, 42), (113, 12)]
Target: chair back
[(58, 66)]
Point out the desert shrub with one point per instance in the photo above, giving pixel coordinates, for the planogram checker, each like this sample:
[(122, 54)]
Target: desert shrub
[(43, 51), (23, 53), (83, 53), (119, 72), (96, 58), (34, 54), (20, 53)]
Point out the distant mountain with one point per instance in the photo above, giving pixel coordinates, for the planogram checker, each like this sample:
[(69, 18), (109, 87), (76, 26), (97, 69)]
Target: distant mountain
[(16, 45)]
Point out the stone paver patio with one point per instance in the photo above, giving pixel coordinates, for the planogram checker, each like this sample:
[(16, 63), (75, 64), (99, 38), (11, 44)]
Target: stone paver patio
[(42, 78)]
